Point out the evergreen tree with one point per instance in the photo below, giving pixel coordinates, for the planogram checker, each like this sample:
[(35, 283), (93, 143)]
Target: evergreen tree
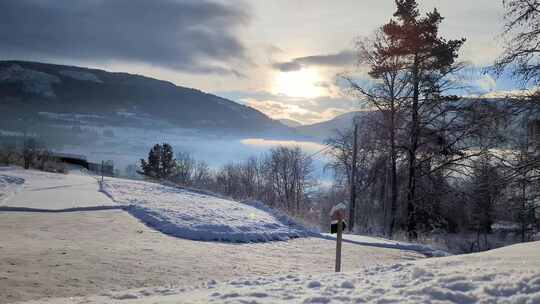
[(161, 163), (152, 167), (168, 163)]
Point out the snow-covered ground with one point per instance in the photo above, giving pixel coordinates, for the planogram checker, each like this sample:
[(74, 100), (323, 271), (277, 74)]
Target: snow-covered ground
[(505, 275), (198, 216), (87, 253), (182, 213), (73, 254)]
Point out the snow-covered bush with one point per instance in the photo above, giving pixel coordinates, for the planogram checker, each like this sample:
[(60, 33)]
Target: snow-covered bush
[(32, 155)]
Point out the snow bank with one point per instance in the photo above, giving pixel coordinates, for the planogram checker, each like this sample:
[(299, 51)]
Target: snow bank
[(505, 275), (391, 244), (199, 216)]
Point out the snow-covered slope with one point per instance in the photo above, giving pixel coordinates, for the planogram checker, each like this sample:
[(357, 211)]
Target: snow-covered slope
[(182, 213), (505, 275), (198, 216)]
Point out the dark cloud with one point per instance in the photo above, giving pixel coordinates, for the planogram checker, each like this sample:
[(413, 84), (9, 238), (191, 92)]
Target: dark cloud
[(287, 66), (343, 58), (192, 35)]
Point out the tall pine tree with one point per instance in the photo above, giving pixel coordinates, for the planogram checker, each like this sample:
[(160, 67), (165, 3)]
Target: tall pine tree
[(424, 58), (152, 166)]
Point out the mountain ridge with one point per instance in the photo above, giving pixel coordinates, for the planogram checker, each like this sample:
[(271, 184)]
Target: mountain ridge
[(33, 87), (325, 129)]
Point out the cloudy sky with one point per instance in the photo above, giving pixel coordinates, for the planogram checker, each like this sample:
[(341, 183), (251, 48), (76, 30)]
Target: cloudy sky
[(279, 56)]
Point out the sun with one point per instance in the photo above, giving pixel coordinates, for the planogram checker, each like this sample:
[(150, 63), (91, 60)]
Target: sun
[(302, 83)]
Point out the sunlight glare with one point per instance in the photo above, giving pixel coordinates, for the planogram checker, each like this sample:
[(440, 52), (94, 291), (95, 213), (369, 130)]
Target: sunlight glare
[(302, 83)]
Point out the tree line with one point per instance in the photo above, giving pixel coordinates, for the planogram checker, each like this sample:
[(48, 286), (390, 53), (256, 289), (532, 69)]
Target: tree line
[(283, 178), (30, 154), (431, 160)]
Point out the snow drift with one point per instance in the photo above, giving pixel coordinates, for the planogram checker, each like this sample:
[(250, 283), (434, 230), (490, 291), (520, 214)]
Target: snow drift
[(200, 216), (504, 275), (390, 244)]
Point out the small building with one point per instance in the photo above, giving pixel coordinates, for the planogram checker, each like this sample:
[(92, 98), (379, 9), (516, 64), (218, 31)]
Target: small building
[(81, 160), (74, 159)]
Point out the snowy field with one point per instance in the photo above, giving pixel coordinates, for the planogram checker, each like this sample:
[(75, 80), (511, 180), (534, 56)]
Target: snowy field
[(63, 242), (198, 216), (505, 275)]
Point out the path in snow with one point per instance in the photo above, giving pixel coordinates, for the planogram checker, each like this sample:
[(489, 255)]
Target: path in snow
[(43, 190), (504, 275)]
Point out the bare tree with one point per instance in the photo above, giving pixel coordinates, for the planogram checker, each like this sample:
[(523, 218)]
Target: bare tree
[(372, 171), (202, 175), (522, 31), (8, 154), (184, 168), (485, 191), (290, 174), (386, 95), (30, 151)]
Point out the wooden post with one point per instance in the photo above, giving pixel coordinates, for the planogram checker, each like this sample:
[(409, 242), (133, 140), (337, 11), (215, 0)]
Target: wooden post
[(338, 244), (102, 171)]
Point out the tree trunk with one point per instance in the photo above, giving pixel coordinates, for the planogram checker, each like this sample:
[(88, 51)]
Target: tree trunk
[(393, 176), (523, 212), (411, 187), (352, 207)]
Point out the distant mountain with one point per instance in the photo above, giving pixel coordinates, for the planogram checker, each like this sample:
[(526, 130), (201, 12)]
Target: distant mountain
[(323, 130), (326, 129), (59, 93), (290, 123)]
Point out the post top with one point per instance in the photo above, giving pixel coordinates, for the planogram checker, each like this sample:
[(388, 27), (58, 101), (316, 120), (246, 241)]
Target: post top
[(338, 211)]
